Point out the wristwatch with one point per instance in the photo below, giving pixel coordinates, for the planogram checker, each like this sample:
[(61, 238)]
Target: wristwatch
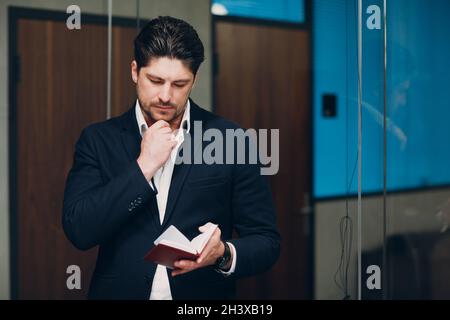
[(222, 261)]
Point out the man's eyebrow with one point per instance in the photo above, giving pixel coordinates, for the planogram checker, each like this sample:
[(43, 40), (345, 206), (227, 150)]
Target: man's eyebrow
[(154, 76), (182, 80), (159, 78)]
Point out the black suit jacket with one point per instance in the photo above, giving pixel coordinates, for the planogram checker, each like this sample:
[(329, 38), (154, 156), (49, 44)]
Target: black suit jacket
[(108, 202)]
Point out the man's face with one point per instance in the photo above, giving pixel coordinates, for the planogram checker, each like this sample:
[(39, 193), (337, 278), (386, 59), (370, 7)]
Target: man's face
[(163, 87)]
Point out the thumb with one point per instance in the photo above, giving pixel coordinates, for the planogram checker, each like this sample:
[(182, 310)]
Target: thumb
[(203, 227)]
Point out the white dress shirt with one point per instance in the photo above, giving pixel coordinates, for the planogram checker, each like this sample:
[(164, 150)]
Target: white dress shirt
[(162, 179)]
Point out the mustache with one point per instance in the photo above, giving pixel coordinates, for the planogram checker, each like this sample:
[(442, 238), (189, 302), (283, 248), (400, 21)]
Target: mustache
[(157, 104)]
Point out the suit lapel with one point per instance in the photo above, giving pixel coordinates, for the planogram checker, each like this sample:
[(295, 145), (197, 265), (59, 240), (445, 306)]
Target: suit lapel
[(181, 171), (130, 135)]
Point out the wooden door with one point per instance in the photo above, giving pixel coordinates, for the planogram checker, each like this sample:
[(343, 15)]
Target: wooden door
[(263, 82), (61, 89)]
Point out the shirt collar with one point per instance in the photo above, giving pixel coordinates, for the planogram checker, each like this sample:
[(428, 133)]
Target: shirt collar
[(142, 125)]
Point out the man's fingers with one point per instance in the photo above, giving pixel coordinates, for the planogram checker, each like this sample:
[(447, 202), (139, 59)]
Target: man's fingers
[(206, 251), (164, 130), (160, 124), (203, 227), (177, 272), (184, 266), (210, 245), (216, 234), (171, 137), (160, 127)]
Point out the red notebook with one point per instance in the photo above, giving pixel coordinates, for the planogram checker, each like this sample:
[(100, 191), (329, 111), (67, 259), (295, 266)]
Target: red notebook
[(172, 245)]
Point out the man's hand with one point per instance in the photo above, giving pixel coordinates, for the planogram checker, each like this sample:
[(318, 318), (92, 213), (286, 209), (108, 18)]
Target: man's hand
[(157, 144), (212, 251)]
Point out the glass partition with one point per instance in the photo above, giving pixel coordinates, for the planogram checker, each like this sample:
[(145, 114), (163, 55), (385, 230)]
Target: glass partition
[(418, 153)]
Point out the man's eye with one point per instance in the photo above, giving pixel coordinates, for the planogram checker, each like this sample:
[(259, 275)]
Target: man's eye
[(179, 85), (156, 81)]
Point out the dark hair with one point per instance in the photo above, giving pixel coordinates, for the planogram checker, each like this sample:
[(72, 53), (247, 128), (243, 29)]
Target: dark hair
[(169, 37)]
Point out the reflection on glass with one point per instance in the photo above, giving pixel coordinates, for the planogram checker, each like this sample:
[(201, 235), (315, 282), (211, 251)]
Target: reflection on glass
[(418, 155)]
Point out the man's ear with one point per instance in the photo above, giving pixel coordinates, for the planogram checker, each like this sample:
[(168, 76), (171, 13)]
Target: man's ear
[(134, 71)]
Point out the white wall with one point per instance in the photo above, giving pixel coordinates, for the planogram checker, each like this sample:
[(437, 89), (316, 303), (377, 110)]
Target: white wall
[(409, 212), (196, 12)]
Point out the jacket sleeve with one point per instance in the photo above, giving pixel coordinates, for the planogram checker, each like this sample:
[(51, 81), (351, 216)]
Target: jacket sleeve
[(258, 245), (93, 210)]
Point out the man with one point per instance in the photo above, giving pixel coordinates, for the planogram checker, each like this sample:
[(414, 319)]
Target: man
[(124, 188)]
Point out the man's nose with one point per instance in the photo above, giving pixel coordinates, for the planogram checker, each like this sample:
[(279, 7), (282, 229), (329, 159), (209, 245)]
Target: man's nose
[(165, 94)]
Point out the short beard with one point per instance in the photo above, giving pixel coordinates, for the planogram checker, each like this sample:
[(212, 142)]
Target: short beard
[(148, 113)]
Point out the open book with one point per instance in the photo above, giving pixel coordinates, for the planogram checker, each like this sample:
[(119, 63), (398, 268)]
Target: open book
[(172, 245)]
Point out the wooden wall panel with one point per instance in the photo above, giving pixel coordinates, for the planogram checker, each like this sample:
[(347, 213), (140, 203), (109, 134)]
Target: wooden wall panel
[(263, 81), (61, 90)]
